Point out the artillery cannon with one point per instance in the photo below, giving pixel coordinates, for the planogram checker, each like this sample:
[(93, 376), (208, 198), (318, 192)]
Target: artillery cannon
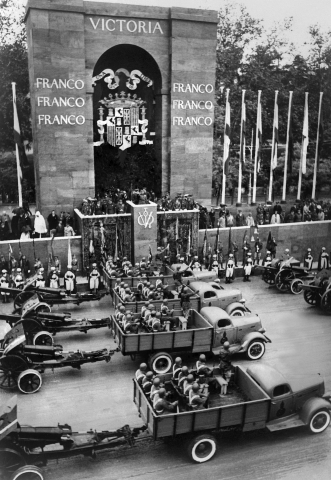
[(24, 449), (318, 292), (22, 361), (291, 277)]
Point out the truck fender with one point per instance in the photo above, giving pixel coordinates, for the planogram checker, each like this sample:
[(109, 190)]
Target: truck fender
[(311, 406), (233, 306), (247, 339)]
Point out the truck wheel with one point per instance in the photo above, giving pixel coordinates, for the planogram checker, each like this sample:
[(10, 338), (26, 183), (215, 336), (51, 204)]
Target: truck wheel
[(11, 458), (29, 472), (43, 338), (255, 350), (237, 312), (161, 363), (202, 448), (29, 381), (296, 286), (319, 421)]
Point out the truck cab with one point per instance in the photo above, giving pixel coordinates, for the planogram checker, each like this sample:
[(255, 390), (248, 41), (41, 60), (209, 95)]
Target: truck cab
[(229, 299), (190, 275), (245, 334)]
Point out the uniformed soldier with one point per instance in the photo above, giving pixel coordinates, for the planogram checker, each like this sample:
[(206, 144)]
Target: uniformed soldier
[(37, 265), (4, 284), (323, 259), (267, 259), (197, 401), (94, 279), (287, 255), (182, 377), (154, 394), (40, 280), (188, 383), (74, 264), (308, 260), (201, 366), (258, 251), (19, 280), (248, 267), (177, 368), (196, 265), (147, 383), (163, 406), (69, 281), (214, 265), (141, 373), (229, 272), (235, 250), (57, 265), (185, 301)]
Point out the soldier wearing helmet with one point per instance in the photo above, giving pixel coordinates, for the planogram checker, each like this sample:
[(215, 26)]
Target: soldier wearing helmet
[(141, 373), (196, 399), (163, 406), (201, 366), (308, 260), (182, 377), (177, 368), (94, 279), (188, 383), (248, 267), (229, 272), (267, 259), (196, 265), (147, 383), (323, 260), (185, 302)]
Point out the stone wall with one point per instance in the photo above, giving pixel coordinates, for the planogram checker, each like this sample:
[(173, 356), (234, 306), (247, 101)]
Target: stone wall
[(297, 237)]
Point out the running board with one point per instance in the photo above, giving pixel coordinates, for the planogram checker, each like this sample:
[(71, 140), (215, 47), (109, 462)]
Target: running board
[(284, 423)]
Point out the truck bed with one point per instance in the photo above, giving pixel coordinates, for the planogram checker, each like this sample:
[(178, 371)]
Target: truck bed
[(197, 338), (174, 303), (133, 281), (247, 415)]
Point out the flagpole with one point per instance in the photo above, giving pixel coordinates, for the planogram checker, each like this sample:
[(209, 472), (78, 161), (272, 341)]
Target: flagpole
[(317, 147), (302, 168), (289, 116), (18, 164), (256, 148), (241, 153), (269, 202), (223, 175)]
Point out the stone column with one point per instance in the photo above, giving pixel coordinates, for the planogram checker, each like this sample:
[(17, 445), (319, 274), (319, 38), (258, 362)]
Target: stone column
[(143, 230)]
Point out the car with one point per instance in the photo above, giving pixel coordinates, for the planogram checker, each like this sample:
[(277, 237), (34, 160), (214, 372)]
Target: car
[(189, 275)]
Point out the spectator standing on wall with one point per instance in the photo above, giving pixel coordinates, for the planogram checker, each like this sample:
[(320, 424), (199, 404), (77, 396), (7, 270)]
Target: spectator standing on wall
[(53, 221), (320, 213), (212, 217), (221, 220), (59, 230), (68, 231), (39, 225), (250, 220), (229, 219), (275, 218)]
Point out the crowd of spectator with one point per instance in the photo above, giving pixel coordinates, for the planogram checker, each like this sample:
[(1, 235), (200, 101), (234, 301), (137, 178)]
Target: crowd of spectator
[(114, 202), (305, 211), (23, 225)]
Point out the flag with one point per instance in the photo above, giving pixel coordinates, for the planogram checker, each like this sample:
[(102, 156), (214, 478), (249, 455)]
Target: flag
[(227, 135), (290, 135), (305, 138), (176, 235), (269, 241), (258, 143), (274, 149), (188, 247), (245, 238), (20, 150), (10, 252), (320, 132), (216, 240), (150, 256), (204, 247), (230, 242), (243, 134), (116, 249), (69, 255)]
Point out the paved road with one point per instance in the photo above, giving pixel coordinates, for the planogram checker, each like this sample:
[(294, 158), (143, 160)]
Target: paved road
[(100, 396)]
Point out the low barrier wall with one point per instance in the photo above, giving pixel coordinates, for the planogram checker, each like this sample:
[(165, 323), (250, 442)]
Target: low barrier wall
[(297, 237)]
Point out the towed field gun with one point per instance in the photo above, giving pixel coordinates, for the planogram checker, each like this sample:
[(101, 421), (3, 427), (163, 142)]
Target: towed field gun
[(22, 361)]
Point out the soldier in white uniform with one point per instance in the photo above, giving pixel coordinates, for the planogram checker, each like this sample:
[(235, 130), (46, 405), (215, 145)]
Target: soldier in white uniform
[(70, 281), (5, 284), (19, 280), (229, 272), (308, 260), (214, 265), (248, 267), (267, 259), (323, 259), (94, 279)]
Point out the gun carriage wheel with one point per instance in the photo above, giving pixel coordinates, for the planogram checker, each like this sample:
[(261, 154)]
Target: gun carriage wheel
[(283, 279), (22, 298), (43, 338), (296, 286), (11, 459), (43, 308), (312, 298), (29, 381), (268, 277), (11, 366), (326, 301)]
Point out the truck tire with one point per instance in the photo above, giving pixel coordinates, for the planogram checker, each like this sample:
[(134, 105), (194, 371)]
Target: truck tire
[(161, 363), (319, 421), (237, 311), (29, 472), (202, 448), (255, 350)]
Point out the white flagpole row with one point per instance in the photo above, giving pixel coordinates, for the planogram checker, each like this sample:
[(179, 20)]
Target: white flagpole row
[(272, 151), (317, 146), (242, 146), (18, 163), (256, 146), (226, 146), (287, 145)]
